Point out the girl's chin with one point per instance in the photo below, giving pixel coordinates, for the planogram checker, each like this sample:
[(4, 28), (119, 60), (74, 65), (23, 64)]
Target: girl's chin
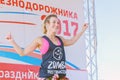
[(54, 31)]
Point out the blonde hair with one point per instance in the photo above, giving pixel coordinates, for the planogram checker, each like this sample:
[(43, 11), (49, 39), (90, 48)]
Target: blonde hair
[(47, 20)]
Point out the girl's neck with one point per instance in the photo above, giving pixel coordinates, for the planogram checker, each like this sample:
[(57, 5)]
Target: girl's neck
[(51, 35)]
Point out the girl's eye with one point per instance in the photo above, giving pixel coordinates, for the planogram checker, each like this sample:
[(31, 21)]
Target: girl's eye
[(52, 22), (55, 22), (58, 22)]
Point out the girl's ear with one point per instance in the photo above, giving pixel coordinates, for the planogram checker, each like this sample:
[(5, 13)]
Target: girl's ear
[(47, 24)]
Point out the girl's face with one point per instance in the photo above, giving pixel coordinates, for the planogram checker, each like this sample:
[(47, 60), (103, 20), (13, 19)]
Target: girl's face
[(53, 25)]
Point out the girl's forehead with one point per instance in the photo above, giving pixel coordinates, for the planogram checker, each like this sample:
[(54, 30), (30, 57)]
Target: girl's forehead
[(53, 18)]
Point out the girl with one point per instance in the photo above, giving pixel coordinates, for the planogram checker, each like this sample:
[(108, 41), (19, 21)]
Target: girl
[(52, 49)]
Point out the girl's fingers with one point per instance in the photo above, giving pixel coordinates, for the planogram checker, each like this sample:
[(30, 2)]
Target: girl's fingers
[(8, 37), (85, 26)]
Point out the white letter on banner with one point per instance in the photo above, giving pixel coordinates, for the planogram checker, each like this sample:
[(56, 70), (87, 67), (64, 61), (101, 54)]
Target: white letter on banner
[(30, 74), (7, 74), (18, 76), (24, 75), (1, 74), (12, 74), (35, 75)]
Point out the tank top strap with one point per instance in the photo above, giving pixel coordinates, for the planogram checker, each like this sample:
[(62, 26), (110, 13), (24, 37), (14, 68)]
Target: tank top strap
[(60, 40)]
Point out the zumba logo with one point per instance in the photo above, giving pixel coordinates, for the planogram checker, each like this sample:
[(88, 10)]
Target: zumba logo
[(57, 53)]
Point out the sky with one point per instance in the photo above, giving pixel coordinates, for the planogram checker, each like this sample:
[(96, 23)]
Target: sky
[(108, 39)]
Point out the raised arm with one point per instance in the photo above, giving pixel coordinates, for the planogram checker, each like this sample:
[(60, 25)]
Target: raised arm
[(68, 42), (30, 48)]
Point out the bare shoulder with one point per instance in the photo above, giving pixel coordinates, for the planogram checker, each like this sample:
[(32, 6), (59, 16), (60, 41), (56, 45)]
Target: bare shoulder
[(66, 42), (62, 38), (38, 40)]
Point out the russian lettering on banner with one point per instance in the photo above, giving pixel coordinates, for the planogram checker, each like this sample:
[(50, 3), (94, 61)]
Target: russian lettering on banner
[(18, 72)]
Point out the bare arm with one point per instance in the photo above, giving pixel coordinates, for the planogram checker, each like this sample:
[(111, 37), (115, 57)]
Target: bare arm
[(68, 42), (30, 48)]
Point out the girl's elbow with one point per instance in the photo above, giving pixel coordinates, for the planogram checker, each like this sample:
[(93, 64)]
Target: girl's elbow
[(22, 54)]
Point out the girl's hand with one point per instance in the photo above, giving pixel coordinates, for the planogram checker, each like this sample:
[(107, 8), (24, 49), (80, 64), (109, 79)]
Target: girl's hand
[(9, 37), (84, 27)]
